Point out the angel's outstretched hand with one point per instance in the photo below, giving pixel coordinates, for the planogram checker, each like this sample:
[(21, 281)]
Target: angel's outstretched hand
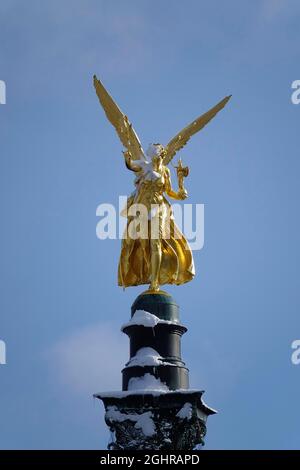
[(182, 193)]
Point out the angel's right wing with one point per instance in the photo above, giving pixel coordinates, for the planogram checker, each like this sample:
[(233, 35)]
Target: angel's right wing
[(120, 122), (185, 134)]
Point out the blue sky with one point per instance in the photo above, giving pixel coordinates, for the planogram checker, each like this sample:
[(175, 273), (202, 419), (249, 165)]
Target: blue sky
[(61, 310)]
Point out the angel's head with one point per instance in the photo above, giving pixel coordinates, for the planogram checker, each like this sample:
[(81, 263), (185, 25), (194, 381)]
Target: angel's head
[(156, 153)]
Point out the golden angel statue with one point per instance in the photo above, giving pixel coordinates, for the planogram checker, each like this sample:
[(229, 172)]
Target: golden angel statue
[(165, 257)]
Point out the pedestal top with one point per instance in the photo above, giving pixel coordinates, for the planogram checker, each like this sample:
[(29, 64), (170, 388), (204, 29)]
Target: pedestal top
[(160, 304)]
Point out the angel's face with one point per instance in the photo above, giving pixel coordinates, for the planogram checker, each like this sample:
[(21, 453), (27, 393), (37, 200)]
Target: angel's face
[(155, 152)]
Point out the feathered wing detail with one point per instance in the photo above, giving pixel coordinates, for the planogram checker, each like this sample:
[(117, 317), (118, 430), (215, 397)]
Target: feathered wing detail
[(183, 136), (120, 122)]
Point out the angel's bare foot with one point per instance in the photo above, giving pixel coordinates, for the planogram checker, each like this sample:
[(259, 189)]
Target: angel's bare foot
[(154, 287)]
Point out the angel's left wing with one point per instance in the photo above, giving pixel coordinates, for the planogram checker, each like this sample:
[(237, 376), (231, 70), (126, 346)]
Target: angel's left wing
[(183, 136), (120, 122)]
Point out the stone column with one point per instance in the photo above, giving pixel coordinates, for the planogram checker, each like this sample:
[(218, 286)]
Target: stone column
[(155, 410)]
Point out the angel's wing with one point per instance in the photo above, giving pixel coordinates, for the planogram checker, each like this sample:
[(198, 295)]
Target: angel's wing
[(120, 122), (183, 136)]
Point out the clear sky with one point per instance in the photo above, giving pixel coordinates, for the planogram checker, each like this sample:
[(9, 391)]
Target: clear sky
[(165, 62)]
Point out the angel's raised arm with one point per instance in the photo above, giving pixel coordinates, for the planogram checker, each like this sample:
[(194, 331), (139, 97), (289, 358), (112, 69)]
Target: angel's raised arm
[(178, 195), (133, 165)]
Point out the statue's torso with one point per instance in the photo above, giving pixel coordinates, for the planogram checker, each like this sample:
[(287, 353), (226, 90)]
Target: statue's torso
[(150, 188)]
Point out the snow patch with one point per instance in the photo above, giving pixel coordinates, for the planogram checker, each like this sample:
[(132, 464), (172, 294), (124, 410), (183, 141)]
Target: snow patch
[(141, 317), (155, 393), (143, 421), (186, 412), (147, 357), (147, 319), (147, 382)]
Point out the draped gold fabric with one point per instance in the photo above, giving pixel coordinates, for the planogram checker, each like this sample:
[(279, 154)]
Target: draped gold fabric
[(177, 266), (166, 259)]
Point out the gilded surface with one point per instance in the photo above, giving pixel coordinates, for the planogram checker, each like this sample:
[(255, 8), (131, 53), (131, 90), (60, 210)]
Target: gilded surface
[(158, 253)]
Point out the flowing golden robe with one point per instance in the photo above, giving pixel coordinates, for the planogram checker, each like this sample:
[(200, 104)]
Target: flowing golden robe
[(167, 259), (177, 266)]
